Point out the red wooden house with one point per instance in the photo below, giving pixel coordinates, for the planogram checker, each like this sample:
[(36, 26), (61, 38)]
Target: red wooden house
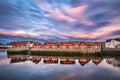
[(37, 45), (51, 45), (82, 45), (18, 45), (96, 45), (25, 44), (66, 45)]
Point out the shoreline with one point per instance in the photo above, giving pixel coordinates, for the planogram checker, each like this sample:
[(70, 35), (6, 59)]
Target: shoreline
[(58, 53), (62, 52)]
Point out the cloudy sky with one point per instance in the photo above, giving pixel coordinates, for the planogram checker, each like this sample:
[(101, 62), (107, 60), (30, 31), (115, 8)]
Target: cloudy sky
[(61, 20)]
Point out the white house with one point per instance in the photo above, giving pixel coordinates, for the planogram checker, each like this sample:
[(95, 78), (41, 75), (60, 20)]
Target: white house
[(29, 44), (112, 43)]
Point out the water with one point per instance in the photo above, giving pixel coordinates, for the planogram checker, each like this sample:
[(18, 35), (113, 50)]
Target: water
[(16, 67)]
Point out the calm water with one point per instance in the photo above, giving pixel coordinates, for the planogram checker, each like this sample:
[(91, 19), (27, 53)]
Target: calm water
[(24, 67)]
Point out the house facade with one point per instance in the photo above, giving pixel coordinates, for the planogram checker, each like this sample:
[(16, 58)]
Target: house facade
[(66, 45), (55, 45), (83, 45), (112, 43), (50, 45), (25, 44)]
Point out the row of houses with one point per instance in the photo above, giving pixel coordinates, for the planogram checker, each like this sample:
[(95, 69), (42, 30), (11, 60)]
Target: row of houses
[(110, 43), (54, 45)]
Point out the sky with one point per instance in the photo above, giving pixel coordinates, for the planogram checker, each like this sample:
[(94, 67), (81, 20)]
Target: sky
[(59, 20)]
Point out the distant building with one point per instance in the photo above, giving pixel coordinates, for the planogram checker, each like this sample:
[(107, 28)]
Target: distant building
[(112, 43)]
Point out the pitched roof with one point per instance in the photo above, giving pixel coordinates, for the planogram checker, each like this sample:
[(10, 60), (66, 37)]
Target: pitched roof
[(108, 40), (117, 39)]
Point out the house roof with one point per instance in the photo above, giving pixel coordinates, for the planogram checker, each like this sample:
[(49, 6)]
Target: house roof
[(108, 40), (117, 39)]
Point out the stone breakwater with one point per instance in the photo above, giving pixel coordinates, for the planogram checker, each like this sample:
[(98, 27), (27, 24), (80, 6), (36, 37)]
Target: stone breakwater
[(58, 50)]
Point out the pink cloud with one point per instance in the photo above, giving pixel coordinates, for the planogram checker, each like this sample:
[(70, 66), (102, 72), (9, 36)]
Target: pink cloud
[(14, 34), (76, 11), (73, 15), (45, 5), (105, 31), (60, 17), (78, 14)]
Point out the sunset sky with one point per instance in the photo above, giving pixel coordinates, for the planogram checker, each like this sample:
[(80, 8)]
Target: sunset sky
[(60, 20)]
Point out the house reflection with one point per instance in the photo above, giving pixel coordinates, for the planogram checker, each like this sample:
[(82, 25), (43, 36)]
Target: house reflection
[(62, 60), (67, 61), (113, 61), (84, 61), (50, 60), (18, 59), (96, 61), (36, 60)]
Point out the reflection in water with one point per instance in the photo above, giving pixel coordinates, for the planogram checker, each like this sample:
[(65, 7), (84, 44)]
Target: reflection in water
[(53, 60), (67, 61), (50, 60), (16, 59), (64, 60), (27, 67), (3, 50), (97, 61), (114, 61), (84, 61)]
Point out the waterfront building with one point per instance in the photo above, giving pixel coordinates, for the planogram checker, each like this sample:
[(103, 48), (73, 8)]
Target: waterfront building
[(57, 46), (96, 45), (92, 45), (51, 45), (25, 44), (112, 43), (18, 45), (82, 45), (67, 45), (118, 46), (37, 45)]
